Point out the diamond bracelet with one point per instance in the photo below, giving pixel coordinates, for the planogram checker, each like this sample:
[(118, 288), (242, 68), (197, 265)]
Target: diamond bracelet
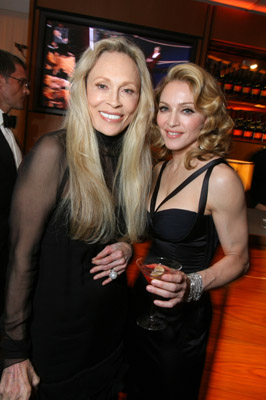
[(196, 287)]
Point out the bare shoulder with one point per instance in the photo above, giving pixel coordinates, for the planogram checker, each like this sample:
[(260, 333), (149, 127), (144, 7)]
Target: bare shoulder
[(225, 187), (223, 176)]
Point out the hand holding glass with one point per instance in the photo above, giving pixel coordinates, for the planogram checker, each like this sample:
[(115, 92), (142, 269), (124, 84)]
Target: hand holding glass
[(154, 268)]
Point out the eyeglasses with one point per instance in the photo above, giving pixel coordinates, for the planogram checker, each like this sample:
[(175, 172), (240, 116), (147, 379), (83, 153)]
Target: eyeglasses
[(22, 82)]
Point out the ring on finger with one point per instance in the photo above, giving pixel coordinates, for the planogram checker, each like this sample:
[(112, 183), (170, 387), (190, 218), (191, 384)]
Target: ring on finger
[(113, 274)]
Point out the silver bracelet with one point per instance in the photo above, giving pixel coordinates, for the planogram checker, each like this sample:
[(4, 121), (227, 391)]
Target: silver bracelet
[(196, 287)]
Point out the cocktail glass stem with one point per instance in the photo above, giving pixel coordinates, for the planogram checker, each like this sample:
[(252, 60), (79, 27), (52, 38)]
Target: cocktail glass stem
[(151, 321), (153, 308)]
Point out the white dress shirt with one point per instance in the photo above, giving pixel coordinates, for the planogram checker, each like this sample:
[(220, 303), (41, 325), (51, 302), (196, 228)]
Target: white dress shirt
[(8, 134)]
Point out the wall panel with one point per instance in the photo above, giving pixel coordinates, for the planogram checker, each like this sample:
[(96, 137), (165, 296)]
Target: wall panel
[(38, 124), (241, 27), (186, 16)]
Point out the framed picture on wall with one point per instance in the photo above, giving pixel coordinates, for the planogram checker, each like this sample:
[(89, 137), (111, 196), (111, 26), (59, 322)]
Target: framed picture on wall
[(62, 38)]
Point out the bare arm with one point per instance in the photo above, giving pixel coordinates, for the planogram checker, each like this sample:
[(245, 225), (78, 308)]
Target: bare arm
[(226, 203), (228, 207)]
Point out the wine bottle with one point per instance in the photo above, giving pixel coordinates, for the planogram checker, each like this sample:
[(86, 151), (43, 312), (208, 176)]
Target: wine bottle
[(246, 89), (222, 74), (248, 128), (210, 64), (263, 86), (264, 129), (232, 114), (257, 135), (228, 81), (255, 86), (238, 82), (239, 124)]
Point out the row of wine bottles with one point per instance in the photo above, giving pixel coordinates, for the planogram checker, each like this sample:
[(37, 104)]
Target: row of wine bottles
[(238, 80), (249, 125)]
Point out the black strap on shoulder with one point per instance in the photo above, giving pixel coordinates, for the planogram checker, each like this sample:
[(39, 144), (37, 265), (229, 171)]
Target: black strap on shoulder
[(156, 188), (205, 185), (193, 176)]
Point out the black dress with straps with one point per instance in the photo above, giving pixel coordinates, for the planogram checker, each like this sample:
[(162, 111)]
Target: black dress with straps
[(168, 364)]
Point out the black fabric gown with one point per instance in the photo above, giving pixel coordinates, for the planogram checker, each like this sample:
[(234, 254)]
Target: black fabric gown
[(69, 325), (168, 364)]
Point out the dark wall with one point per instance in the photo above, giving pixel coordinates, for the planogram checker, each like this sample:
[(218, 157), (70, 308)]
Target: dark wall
[(186, 16), (182, 16), (240, 27)]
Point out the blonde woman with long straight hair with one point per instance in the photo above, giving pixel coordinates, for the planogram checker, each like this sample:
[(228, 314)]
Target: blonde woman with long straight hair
[(78, 204)]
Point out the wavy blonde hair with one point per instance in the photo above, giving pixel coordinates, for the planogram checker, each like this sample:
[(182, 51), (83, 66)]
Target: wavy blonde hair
[(214, 138), (90, 204)]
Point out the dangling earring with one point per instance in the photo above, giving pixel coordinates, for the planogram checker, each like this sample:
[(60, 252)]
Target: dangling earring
[(201, 148)]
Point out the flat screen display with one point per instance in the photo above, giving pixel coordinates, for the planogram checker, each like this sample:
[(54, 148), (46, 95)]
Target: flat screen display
[(63, 38)]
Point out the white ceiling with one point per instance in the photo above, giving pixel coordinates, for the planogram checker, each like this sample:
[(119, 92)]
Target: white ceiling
[(15, 5)]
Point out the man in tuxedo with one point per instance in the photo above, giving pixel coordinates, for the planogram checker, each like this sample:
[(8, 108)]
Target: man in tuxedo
[(14, 87)]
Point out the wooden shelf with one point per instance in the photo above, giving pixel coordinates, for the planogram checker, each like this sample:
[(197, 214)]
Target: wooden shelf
[(242, 139), (246, 105), (225, 63)]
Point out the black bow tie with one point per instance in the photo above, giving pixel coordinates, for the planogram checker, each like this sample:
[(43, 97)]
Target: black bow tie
[(9, 121)]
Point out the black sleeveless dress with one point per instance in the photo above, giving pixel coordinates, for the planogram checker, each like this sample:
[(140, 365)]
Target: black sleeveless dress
[(168, 364)]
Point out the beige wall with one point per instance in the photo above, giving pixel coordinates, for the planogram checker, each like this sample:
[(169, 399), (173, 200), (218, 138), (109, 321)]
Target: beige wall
[(13, 28)]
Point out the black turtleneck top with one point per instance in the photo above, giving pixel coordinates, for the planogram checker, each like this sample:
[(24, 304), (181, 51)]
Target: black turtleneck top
[(110, 148), (56, 314)]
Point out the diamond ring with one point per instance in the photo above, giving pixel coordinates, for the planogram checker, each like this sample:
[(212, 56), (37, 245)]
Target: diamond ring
[(113, 274)]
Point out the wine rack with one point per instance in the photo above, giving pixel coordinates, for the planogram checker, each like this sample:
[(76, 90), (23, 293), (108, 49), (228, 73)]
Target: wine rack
[(242, 77)]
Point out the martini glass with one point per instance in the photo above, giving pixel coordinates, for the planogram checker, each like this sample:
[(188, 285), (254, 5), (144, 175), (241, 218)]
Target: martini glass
[(154, 268)]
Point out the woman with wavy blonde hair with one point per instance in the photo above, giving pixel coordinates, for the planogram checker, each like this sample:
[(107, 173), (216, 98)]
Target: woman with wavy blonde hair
[(197, 201), (214, 138), (78, 205)]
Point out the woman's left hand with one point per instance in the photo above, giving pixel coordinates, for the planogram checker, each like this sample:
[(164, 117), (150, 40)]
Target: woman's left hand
[(174, 287), (113, 257)]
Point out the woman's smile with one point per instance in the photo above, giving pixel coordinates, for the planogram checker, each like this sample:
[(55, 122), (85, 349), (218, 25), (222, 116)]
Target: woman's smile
[(107, 116)]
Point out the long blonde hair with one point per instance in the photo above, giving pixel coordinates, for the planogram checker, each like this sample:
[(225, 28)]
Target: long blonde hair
[(89, 203), (214, 139)]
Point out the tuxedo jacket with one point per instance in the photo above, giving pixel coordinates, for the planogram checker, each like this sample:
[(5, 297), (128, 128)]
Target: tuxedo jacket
[(8, 174)]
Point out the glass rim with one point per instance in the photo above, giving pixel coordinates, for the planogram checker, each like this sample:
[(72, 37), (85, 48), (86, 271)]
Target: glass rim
[(149, 259)]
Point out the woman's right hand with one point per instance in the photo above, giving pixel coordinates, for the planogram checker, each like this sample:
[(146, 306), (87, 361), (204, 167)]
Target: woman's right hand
[(173, 287), (17, 381)]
